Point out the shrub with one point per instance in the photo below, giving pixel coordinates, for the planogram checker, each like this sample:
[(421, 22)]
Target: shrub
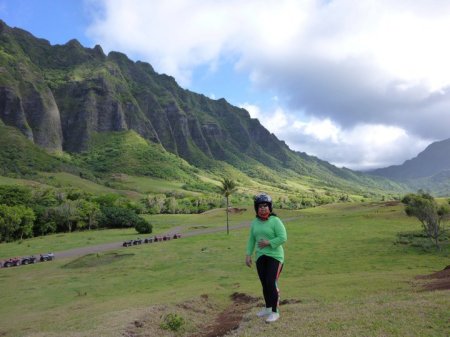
[(143, 227), (15, 195), (432, 215), (118, 217), (173, 322)]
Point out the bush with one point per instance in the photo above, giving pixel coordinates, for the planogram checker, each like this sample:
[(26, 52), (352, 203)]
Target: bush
[(173, 322), (15, 195), (143, 227), (431, 215), (118, 217)]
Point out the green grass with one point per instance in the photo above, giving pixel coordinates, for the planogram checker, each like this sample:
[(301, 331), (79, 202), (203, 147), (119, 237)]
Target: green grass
[(64, 241), (162, 223), (63, 179), (342, 268), (147, 185), (20, 182), (127, 152)]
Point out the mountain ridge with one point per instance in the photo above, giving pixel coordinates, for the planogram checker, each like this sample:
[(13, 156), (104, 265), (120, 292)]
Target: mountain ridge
[(429, 170), (432, 160), (60, 96)]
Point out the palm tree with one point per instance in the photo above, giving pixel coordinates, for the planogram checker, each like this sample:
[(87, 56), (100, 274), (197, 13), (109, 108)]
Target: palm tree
[(227, 188)]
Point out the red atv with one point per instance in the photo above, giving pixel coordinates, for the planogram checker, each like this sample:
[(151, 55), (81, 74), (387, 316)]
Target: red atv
[(12, 262)]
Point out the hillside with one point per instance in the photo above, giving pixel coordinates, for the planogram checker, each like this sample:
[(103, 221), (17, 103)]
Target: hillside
[(343, 273), (430, 170), (20, 157), (62, 97)]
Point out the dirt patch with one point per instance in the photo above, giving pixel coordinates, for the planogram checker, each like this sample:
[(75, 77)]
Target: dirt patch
[(439, 280), (290, 301), (392, 203), (202, 318), (230, 318), (235, 210)]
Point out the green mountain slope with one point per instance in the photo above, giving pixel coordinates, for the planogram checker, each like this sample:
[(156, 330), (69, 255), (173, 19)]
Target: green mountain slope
[(20, 157), (430, 170), (73, 99), (127, 152), (434, 159)]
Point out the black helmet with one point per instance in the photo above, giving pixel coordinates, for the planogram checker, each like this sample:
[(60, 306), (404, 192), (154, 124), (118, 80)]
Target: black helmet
[(262, 199)]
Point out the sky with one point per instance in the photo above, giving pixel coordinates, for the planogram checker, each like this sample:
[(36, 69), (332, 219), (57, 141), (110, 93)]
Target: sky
[(361, 84)]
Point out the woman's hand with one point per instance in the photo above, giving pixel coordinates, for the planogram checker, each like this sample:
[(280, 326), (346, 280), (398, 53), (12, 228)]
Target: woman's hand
[(263, 243), (248, 261)]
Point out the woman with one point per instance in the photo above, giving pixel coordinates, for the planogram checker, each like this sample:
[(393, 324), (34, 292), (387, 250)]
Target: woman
[(267, 233)]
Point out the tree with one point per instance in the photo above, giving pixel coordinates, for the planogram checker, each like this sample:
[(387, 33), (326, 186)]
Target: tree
[(228, 187), (15, 195), (118, 217), (9, 222), (16, 222), (45, 198), (27, 218), (171, 205), (428, 212), (66, 215), (155, 203), (89, 212)]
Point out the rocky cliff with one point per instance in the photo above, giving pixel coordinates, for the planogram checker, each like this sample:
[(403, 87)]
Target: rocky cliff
[(59, 96)]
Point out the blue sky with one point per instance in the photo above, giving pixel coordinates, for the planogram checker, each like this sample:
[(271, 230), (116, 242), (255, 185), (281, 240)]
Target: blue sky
[(361, 84)]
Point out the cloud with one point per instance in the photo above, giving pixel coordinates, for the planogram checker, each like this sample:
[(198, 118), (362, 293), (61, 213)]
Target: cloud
[(342, 70), (363, 147)]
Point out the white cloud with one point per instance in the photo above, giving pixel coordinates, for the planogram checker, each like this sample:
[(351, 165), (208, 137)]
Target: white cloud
[(253, 110), (320, 130), (370, 79), (363, 147)]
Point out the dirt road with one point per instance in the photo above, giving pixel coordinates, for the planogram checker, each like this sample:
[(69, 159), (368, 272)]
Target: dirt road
[(116, 245)]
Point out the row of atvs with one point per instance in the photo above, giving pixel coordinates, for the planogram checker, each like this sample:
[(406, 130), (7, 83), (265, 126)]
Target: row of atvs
[(156, 238), (19, 261)]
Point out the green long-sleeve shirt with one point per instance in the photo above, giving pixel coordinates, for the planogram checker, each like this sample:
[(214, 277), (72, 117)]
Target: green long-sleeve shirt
[(273, 230)]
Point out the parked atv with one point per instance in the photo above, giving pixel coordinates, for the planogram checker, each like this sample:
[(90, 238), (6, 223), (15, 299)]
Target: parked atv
[(12, 262), (137, 241), (47, 257), (28, 260), (148, 240), (127, 243)]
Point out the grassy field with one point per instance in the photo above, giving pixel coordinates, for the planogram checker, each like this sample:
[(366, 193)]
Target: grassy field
[(343, 276)]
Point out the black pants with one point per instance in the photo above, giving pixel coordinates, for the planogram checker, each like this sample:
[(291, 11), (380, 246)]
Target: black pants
[(269, 270)]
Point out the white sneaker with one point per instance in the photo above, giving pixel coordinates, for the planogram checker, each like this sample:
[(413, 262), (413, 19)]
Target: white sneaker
[(264, 312), (273, 317)]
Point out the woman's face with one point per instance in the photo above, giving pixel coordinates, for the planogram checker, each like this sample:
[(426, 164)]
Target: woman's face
[(263, 209)]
